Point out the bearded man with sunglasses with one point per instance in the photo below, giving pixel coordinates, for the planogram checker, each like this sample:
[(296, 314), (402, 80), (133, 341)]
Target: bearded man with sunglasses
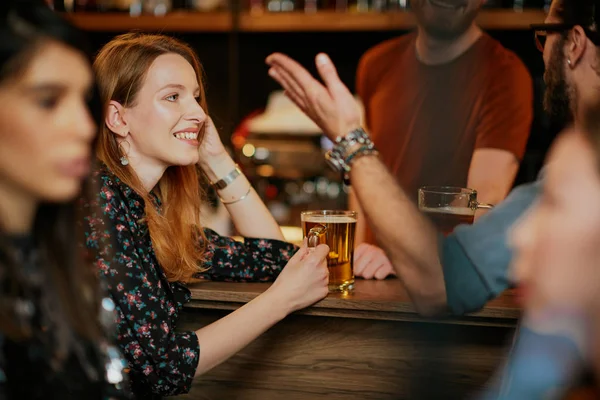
[(562, 40), (461, 272)]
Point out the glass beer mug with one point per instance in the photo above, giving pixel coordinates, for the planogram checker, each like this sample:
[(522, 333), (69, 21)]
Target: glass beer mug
[(336, 229), (448, 206)]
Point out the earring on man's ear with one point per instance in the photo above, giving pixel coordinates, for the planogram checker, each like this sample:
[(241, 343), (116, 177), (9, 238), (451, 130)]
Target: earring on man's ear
[(569, 61), (124, 160)]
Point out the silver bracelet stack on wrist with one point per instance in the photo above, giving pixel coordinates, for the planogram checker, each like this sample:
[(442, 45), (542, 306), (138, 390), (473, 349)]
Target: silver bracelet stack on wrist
[(349, 148)]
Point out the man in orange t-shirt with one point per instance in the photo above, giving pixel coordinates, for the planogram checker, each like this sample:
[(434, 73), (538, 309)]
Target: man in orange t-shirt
[(445, 105)]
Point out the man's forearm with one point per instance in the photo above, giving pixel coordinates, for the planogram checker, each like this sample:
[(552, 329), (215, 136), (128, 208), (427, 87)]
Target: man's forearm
[(408, 238), (361, 225)]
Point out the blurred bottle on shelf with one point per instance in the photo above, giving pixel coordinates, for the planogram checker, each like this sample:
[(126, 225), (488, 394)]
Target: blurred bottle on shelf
[(360, 6), (255, 7), (281, 5), (200, 5), (311, 6), (341, 5), (133, 7), (156, 7), (378, 5), (209, 5), (397, 5)]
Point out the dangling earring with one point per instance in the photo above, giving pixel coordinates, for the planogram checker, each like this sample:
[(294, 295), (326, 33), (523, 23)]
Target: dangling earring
[(124, 160)]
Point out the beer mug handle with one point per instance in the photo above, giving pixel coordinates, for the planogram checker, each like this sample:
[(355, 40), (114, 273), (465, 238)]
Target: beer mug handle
[(314, 234), (484, 206)]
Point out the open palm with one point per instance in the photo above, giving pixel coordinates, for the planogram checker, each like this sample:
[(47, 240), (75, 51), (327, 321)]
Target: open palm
[(332, 107)]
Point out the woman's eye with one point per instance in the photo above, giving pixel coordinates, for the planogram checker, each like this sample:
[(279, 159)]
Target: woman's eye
[(172, 97), (48, 102)]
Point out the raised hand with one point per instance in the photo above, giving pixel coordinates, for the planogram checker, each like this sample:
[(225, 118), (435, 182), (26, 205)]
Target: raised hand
[(332, 107)]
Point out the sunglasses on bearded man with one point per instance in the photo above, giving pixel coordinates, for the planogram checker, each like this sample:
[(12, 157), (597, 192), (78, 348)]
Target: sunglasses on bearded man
[(541, 31)]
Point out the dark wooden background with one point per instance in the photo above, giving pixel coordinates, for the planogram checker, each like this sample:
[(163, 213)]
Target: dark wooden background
[(237, 82)]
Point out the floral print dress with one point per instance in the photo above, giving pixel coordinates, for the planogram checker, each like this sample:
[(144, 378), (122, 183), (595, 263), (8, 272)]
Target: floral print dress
[(162, 360)]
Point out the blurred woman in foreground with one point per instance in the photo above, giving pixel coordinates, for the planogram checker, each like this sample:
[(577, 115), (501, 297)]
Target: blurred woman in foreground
[(557, 258), (53, 321)]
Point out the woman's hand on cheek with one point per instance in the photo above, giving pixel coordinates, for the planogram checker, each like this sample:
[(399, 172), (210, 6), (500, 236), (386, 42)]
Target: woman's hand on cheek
[(211, 148), (214, 159)]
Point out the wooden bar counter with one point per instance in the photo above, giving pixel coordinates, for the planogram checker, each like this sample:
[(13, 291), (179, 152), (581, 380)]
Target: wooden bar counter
[(369, 344)]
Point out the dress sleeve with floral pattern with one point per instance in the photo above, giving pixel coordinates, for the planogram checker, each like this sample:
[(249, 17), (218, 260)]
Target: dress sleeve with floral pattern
[(256, 260)]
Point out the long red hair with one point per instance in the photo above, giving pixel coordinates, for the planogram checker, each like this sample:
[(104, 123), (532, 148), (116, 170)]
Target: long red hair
[(178, 240)]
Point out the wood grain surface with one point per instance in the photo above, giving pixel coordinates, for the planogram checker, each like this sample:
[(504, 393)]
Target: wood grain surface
[(370, 344), (314, 358)]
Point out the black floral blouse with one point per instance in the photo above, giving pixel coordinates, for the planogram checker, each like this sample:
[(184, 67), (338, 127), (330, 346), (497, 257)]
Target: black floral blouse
[(162, 360)]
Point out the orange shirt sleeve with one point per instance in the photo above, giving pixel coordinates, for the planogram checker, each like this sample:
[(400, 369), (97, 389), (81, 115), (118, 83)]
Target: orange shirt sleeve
[(507, 109)]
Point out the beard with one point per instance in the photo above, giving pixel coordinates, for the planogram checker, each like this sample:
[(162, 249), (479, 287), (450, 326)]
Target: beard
[(559, 97), (439, 25)]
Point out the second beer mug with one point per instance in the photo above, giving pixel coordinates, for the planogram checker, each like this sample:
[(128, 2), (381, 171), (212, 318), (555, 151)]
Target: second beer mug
[(336, 229), (448, 206)]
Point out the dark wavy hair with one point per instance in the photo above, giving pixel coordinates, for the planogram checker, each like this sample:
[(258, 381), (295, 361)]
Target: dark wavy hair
[(586, 13), (71, 286), (580, 12)]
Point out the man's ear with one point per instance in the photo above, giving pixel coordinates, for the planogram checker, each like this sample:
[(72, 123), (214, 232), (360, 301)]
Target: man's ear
[(576, 46), (115, 119)]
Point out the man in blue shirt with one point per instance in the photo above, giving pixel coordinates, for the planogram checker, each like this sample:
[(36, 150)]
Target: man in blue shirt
[(461, 272)]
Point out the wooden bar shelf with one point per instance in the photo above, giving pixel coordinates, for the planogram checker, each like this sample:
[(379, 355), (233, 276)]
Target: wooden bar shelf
[(335, 21), (323, 21), (173, 22), (329, 21)]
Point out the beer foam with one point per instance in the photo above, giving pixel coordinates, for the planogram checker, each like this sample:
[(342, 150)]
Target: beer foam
[(465, 211), (328, 219)]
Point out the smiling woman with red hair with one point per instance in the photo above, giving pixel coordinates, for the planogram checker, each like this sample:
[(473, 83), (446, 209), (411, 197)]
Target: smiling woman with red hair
[(156, 135)]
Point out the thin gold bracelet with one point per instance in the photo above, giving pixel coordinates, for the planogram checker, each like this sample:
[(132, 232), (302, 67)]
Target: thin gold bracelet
[(237, 200)]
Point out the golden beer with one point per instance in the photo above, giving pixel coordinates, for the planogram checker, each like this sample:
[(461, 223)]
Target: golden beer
[(336, 229)]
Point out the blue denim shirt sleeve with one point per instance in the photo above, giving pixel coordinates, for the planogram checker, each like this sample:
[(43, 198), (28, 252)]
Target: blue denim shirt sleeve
[(475, 258), (541, 365)]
